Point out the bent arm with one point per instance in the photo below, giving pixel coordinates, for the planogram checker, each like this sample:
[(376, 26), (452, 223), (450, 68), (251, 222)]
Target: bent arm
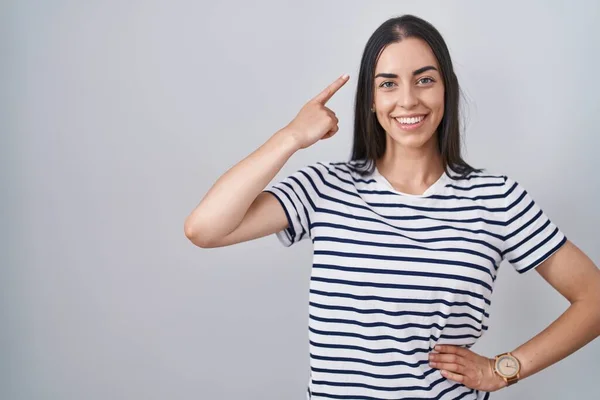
[(235, 200), (576, 277)]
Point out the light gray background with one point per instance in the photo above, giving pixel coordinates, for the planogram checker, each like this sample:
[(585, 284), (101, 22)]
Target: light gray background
[(116, 118)]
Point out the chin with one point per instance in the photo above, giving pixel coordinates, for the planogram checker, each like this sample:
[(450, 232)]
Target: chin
[(412, 140)]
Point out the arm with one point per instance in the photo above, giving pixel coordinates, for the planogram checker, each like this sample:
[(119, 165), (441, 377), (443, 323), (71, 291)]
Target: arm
[(574, 276), (237, 193), (235, 209)]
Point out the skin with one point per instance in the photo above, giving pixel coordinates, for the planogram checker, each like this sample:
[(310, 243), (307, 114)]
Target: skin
[(412, 163)]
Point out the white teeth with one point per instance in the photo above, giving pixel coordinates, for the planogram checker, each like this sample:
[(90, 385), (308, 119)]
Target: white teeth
[(410, 121)]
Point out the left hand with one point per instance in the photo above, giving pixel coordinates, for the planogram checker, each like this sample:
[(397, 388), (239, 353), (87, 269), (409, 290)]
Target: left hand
[(464, 366)]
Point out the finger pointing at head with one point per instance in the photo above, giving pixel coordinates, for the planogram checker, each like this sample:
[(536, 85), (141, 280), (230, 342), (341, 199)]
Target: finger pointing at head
[(330, 90)]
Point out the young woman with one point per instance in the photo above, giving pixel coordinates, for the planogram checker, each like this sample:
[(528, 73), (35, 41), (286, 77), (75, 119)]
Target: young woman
[(407, 236)]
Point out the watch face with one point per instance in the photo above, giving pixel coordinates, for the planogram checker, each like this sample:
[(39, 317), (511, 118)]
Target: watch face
[(507, 366)]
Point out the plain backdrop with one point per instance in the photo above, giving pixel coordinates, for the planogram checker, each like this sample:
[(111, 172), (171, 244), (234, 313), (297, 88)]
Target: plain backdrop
[(116, 117)]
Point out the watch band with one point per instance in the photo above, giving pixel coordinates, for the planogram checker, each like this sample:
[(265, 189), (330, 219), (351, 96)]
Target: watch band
[(512, 381)]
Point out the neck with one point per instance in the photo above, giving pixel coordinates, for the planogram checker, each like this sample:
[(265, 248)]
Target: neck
[(411, 167)]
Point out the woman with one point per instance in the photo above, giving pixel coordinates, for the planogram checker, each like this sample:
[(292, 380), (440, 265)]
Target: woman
[(407, 236)]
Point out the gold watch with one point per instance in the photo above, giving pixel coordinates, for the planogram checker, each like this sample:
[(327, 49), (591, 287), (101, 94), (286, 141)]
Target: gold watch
[(508, 367)]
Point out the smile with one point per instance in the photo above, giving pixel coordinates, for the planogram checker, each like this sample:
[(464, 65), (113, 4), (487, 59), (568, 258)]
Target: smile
[(410, 123)]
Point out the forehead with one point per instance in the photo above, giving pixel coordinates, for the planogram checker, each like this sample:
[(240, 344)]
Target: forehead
[(405, 56)]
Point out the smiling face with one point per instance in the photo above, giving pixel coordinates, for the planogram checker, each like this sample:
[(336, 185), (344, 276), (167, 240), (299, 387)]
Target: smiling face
[(409, 93)]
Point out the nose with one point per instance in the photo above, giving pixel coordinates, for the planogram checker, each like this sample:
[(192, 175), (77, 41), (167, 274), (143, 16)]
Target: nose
[(408, 99)]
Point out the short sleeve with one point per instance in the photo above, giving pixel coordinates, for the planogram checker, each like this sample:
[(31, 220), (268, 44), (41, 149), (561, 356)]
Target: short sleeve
[(530, 236), (299, 195)]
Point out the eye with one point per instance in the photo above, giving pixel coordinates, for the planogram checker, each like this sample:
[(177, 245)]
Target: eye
[(426, 80), (384, 84)]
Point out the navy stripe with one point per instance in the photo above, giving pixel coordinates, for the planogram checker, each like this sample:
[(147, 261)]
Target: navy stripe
[(468, 178), (406, 259), (411, 352), (465, 394), (351, 167), (418, 217), (371, 375), (399, 286), (406, 273), (374, 338), (445, 336), (482, 197), (396, 313), (392, 326), (483, 185), (372, 363), (403, 388), (398, 300), (387, 233), (408, 246), (457, 209)]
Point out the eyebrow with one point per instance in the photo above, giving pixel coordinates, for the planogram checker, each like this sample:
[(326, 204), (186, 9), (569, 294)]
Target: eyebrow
[(415, 72)]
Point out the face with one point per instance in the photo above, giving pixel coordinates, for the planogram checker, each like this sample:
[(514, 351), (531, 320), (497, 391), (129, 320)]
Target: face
[(409, 93)]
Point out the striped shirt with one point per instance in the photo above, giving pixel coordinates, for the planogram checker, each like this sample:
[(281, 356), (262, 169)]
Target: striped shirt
[(395, 274)]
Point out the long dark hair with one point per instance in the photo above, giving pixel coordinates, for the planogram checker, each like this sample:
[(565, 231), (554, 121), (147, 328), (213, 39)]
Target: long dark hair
[(369, 136)]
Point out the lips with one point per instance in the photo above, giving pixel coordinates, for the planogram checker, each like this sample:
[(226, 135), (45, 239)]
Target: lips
[(410, 123), (410, 120)]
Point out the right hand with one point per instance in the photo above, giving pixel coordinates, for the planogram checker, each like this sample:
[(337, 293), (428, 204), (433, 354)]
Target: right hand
[(315, 121)]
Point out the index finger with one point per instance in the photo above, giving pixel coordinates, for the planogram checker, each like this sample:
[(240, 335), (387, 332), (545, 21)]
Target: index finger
[(451, 349), (330, 90)]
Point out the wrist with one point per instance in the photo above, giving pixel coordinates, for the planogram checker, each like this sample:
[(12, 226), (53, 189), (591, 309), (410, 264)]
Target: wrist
[(286, 140), (507, 368), (496, 381)]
